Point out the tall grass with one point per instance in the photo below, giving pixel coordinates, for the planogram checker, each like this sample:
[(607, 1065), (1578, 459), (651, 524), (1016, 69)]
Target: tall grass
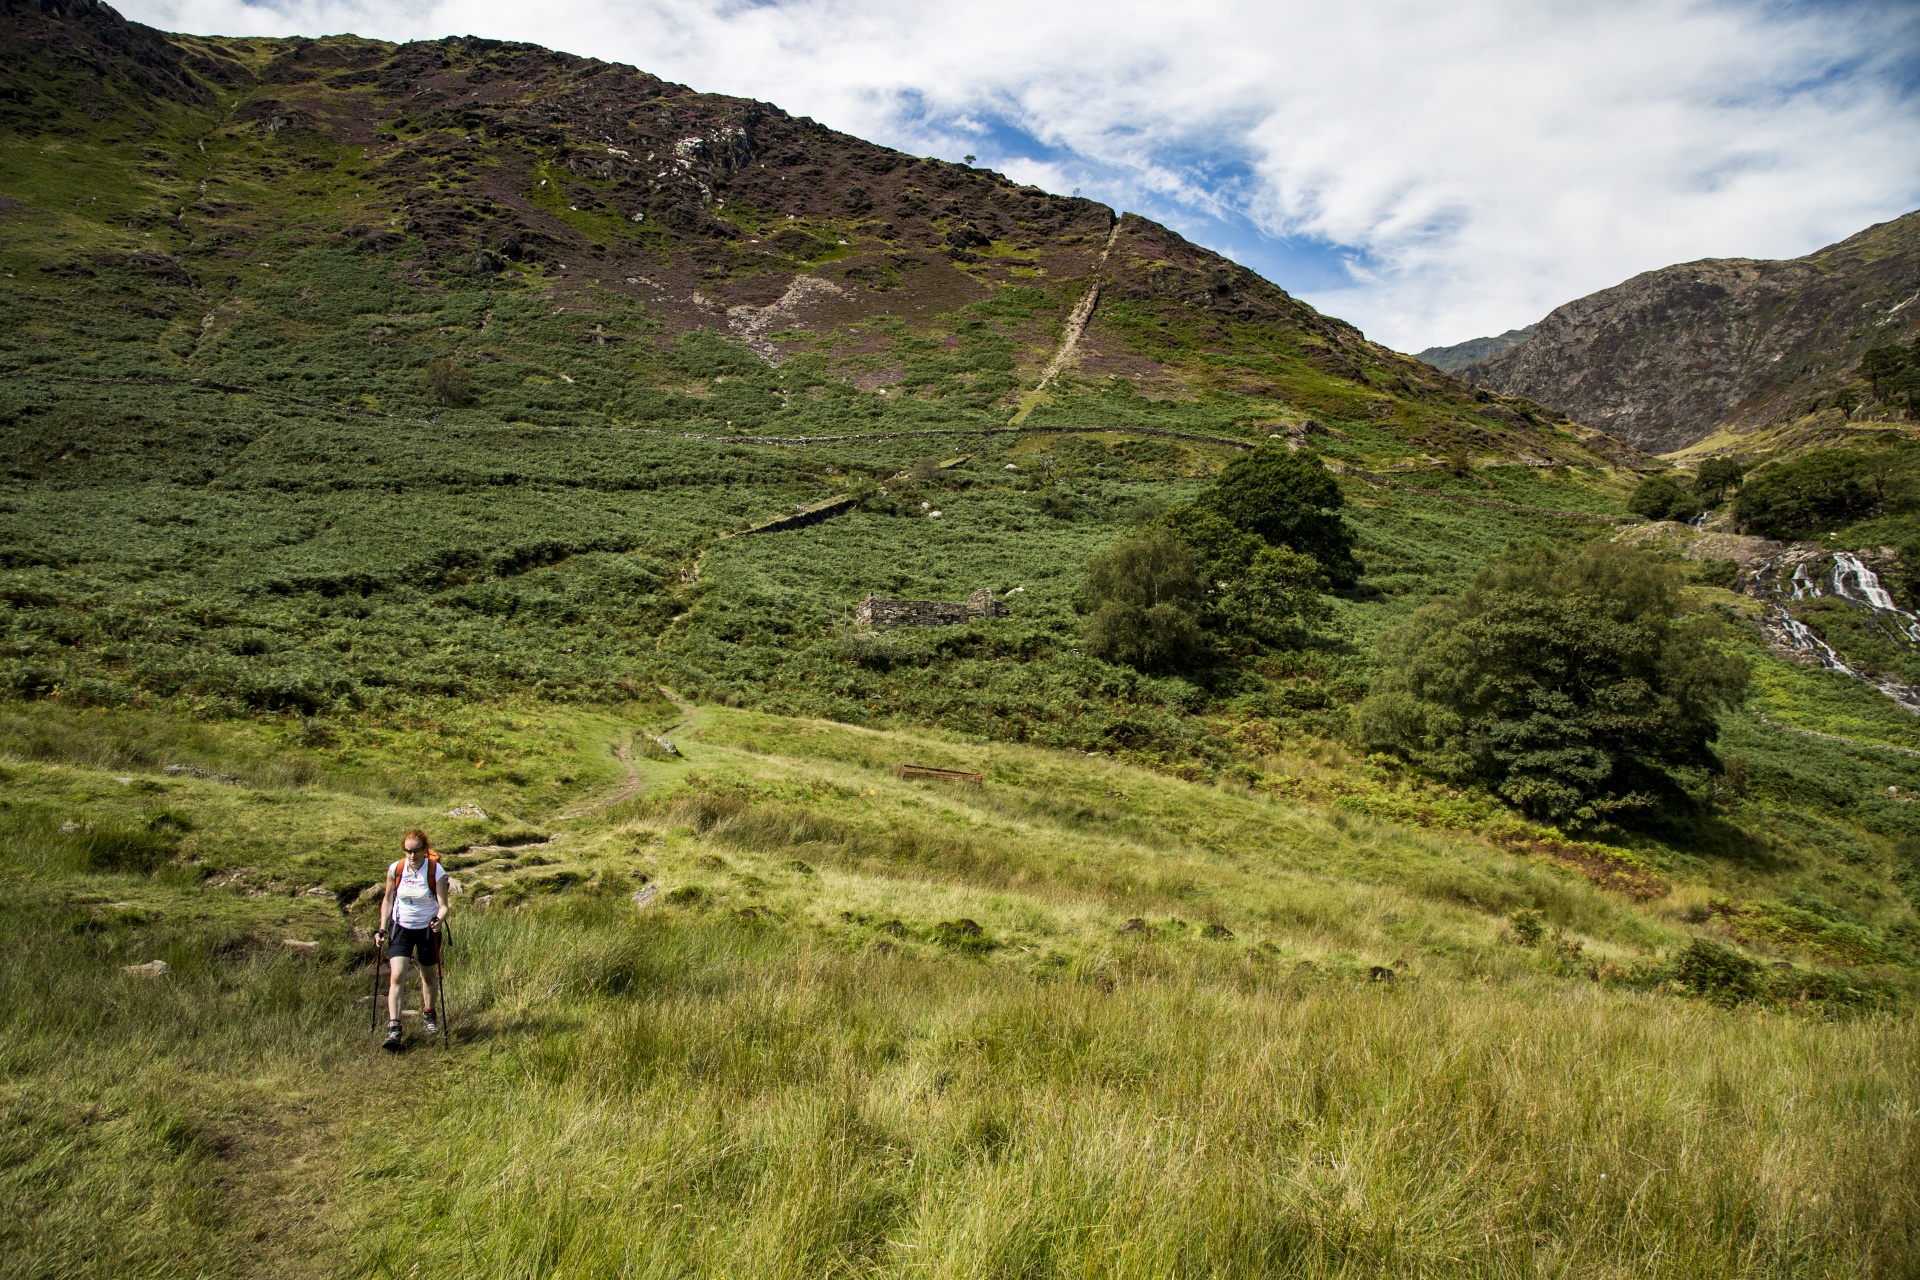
[(710, 1098)]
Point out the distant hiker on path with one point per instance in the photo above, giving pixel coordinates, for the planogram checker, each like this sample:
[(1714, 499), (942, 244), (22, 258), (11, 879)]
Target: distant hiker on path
[(414, 905)]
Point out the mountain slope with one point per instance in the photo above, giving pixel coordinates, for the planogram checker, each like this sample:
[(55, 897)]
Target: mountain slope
[(1672, 356), (1452, 359), (454, 166)]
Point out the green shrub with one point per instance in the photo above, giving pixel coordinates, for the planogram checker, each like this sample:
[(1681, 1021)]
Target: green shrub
[(1147, 593), (1719, 573), (1565, 680), (1529, 926), (1715, 477), (1662, 498), (1279, 590), (1718, 973)]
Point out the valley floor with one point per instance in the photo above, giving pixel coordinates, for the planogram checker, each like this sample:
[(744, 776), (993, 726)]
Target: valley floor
[(785, 1013)]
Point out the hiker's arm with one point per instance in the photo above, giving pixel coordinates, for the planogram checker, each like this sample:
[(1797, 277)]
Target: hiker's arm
[(440, 892), (386, 905)]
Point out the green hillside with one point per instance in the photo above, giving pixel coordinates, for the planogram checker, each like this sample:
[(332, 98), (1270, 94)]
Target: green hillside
[(397, 436)]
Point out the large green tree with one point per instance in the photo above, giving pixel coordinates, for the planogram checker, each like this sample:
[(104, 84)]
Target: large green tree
[(1147, 595), (1287, 499), (1570, 682)]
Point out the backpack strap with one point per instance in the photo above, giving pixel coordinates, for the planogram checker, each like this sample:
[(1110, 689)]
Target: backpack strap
[(433, 873)]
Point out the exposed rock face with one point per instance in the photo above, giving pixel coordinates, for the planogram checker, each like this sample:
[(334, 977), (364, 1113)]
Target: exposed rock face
[(1673, 355), (1460, 354)]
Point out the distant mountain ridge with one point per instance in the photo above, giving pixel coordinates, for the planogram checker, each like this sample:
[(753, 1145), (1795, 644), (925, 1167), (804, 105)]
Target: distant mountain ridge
[(1672, 356), (1452, 359)]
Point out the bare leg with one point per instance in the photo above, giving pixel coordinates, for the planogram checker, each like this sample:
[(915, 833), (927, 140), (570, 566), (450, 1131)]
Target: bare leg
[(396, 987), (428, 972)]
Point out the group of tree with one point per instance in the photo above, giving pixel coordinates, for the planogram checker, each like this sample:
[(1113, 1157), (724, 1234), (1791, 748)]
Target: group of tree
[(1245, 564), (1663, 497), (1893, 373), (1824, 489), (1570, 682)]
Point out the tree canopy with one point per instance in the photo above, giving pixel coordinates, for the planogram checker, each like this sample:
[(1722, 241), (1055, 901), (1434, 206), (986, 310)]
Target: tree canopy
[(1820, 490), (1569, 682), (1287, 499), (1147, 594)]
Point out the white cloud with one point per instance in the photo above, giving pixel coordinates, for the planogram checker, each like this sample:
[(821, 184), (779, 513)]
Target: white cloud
[(1478, 163)]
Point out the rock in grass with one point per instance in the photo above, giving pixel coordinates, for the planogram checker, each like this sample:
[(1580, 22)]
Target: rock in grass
[(299, 947), (1218, 932), (643, 896), (151, 969)]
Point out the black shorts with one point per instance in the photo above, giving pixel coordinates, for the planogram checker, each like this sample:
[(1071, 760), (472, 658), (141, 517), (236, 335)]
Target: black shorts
[(422, 946)]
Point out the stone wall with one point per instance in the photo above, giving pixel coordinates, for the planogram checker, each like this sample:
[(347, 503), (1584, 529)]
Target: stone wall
[(879, 611)]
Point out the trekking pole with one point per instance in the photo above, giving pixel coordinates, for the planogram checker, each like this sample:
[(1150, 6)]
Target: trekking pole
[(440, 982), (378, 949)]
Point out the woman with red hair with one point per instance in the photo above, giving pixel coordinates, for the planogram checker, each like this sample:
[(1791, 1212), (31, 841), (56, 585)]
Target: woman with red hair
[(414, 905)]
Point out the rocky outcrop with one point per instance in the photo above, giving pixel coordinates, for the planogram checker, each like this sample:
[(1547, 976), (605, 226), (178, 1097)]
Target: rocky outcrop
[(1672, 356)]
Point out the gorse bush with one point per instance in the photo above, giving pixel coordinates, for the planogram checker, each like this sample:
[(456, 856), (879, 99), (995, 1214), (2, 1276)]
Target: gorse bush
[(1568, 681)]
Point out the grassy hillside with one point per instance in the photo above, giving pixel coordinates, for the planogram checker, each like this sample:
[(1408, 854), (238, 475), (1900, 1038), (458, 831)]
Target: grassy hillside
[(1085, 1018), (383, 439)]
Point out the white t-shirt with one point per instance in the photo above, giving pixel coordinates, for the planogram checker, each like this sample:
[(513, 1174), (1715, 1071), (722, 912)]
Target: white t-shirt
[(414, 903)]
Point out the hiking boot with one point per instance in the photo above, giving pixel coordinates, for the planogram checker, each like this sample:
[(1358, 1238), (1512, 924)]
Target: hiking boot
[(429, 1023), (392, 1042)]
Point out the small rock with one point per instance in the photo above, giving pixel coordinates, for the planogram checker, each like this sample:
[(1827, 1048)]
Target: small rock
[(304, 948), (151, 969), (453, 885), (68, 828), (644, 896), (1135, 925), (473, 811), (371, 892), (319, 891)]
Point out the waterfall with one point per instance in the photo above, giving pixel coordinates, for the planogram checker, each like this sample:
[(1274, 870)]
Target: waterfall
[(1850, 580), (1850, 576), (1801, 636)]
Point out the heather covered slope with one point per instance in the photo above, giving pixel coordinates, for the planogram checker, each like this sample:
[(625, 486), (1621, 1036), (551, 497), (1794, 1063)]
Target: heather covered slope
[(205, 169)]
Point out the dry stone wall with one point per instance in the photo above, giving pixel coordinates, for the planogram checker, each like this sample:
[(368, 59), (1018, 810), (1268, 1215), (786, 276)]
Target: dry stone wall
[(880, 611)]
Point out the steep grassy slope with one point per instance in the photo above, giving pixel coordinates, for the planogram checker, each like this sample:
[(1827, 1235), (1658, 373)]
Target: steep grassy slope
[(1086, 1018)]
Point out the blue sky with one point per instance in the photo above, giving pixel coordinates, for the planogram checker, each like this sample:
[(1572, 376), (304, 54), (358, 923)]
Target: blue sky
[(1429, 172)]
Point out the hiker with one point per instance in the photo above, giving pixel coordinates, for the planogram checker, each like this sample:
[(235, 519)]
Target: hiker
[(410, 914)]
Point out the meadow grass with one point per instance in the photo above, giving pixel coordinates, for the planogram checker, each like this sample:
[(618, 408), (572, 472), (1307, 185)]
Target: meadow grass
[(802, 1069)]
